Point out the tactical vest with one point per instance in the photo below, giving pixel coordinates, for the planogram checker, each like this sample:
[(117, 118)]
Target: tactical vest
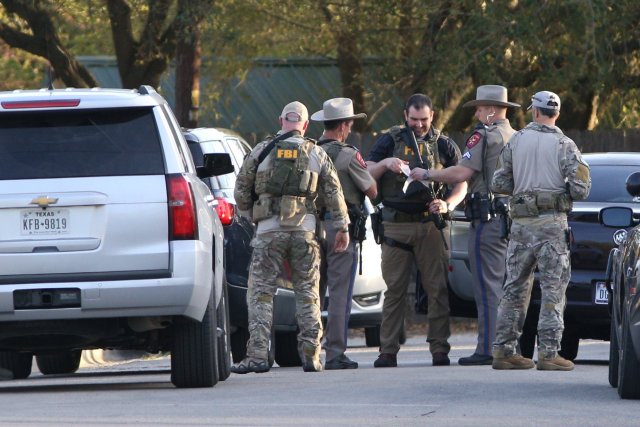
[(392, 184), (290, 186)]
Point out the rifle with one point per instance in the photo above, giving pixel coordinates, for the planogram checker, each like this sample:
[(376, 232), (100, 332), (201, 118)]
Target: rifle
[(437, 218)]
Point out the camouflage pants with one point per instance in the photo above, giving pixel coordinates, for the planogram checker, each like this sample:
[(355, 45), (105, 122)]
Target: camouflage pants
[(270, 250), (540, 242)]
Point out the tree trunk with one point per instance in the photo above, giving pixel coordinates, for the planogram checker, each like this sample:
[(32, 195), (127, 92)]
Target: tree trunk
[(352, 75), (188, 62)]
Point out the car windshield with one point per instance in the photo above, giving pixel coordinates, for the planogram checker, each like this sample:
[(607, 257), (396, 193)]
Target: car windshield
[(608, 183)]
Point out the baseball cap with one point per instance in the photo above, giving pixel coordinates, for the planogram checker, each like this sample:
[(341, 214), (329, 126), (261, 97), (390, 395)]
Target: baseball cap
[(295, 112), (545, 99)]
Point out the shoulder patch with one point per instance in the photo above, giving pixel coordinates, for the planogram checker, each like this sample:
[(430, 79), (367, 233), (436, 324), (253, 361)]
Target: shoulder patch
[(360, 160), (474, 139), (467, 155)]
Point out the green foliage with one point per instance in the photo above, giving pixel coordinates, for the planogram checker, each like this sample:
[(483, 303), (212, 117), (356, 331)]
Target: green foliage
[(19, 70), (588, 51)]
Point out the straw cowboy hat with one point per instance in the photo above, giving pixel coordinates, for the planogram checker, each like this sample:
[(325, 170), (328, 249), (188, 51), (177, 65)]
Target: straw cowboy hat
[(336, 109), (491, 95)]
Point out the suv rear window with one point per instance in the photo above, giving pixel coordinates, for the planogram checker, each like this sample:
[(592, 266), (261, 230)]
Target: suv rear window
[(608, 183), (80, 143)]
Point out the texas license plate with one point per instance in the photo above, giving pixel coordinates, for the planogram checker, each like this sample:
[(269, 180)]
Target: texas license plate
[(602, 294), (44, 221)]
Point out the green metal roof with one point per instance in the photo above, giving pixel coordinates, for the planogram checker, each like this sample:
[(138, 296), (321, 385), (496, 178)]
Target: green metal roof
[(253, 104)]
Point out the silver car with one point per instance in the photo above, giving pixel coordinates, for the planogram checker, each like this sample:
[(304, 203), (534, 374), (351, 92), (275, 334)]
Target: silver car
[(108, 239)]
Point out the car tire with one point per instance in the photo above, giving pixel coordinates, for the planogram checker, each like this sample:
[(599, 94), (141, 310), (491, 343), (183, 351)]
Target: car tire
[(372, 336), (17, 362), (629, 366), (286, 349), (527, 343), (194, 355), (224, 335), (569, 344), (63, 362), (614, 354), (239, 344)]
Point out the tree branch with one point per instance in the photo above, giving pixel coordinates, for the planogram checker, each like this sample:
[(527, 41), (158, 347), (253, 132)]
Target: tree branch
[(44, 42)]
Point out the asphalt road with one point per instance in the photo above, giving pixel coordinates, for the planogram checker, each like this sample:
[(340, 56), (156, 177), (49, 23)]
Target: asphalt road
[(138, 392)]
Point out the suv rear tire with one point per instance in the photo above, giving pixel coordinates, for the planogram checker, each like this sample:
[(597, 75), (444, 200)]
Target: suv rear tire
[(570, 343), (62, 362), (286, 349), (194, 361), (18, 363), (224, 336), (372, 336), (239, 344), (614, 354), (629, 367)]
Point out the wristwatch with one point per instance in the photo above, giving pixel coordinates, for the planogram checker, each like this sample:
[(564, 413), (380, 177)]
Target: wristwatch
[(344, 229), (425, 175)]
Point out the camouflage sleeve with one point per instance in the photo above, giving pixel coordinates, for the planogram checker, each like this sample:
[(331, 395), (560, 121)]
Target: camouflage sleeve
[(575, 170), (243, 191), (502, 182), (331, 190)]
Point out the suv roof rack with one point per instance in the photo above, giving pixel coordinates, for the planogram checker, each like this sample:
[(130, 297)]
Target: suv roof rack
[(146, 89)]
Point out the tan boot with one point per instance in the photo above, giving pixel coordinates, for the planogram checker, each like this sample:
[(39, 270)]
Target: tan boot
[(514, 361), (310, 358), (557, 363)]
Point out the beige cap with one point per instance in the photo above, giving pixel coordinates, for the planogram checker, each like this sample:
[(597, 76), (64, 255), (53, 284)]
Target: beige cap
[(336, 109), (295, 112)]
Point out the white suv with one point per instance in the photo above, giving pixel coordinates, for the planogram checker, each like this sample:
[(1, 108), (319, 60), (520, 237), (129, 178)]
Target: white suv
[(108, 238)]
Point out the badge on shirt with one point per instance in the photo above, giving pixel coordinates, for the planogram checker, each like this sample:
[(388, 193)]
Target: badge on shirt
[(473, 140), (361, 160), (467, 155)]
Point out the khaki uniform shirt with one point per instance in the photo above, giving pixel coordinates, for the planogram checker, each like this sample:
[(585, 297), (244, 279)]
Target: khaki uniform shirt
[(484, 160), (353, 174)]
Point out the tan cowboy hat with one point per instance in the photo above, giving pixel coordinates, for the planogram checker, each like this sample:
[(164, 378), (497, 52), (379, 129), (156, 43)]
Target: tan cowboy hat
[(336, 109), (491, 95)]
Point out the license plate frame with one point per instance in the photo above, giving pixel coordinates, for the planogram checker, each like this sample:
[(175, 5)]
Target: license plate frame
[(44, 222)]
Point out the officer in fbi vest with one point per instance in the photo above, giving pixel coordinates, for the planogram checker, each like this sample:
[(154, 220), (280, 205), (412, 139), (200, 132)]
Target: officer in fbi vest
[(410, 233), (278, 184), (339, 268), (543, 172), (487, 244)]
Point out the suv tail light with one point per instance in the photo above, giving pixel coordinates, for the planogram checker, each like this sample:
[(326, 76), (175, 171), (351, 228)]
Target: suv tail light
[(183, 223), (225, 211)]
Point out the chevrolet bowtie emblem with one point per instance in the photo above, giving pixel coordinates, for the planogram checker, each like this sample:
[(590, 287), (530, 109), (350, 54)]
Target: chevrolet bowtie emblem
[(44, 201)]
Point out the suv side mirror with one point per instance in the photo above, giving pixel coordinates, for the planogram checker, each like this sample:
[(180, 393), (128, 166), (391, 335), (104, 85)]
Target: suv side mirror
[(616, 217), (215, 164)]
